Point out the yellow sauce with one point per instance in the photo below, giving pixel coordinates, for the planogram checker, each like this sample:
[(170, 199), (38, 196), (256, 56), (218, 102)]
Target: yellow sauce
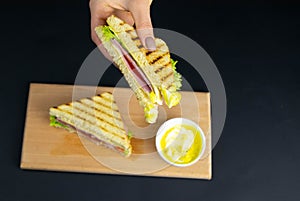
[(181, 144)]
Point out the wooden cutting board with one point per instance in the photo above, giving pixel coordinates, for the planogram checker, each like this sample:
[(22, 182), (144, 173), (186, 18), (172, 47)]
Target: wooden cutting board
[(49, 148)]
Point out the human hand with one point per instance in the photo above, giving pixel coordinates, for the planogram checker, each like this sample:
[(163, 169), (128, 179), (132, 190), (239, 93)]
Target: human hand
[(131, 11)]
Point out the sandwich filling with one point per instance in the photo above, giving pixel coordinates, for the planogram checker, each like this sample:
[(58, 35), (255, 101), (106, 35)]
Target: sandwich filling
[(56, 122), (133, 67)]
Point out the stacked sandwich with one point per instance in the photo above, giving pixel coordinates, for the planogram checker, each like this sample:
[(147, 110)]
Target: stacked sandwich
[(151, 74), (97, 119)]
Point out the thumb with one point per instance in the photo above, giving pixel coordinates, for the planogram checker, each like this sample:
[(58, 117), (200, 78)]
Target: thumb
[(142, 19)]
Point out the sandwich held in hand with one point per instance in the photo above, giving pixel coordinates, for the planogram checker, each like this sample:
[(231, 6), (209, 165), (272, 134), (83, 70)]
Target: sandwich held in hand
[(151, 74), (97, 119)]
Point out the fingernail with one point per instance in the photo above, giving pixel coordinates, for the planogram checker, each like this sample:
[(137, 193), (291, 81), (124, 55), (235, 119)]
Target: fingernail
[(150, 43)]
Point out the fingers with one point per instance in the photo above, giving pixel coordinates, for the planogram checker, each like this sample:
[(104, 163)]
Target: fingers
[(98, 18), (135, 12), (125, 16), (94, 24), (142, 19)]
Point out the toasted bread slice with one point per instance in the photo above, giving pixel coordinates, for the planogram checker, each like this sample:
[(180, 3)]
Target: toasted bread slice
[(156, 64), (98, 117)]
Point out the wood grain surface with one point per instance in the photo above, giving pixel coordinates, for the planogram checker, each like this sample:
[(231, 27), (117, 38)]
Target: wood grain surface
[(49, 148)]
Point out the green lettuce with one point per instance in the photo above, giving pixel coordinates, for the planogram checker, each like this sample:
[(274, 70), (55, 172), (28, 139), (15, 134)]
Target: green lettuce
[(55, 123), (107, 33), (129, 134), (177, 76), (173, 64)]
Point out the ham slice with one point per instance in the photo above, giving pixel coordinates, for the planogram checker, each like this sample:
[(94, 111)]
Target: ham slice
[(90, 137), (133, 68)]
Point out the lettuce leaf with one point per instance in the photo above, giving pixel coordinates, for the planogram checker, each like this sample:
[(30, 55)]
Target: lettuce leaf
[(173, 64), (129, 134), (107, 33), (55, 123), (177, 76)]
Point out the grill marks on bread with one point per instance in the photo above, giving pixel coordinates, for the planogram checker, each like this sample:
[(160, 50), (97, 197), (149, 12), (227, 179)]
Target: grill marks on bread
[(159, 59), (100, 110)]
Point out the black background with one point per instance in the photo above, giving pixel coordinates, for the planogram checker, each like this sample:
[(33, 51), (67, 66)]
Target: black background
[(256, 49)]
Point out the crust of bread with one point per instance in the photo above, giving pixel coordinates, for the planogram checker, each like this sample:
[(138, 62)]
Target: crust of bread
[(99, 118)]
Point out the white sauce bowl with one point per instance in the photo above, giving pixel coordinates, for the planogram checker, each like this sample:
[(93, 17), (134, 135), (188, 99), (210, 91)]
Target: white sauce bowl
[(168, 125)]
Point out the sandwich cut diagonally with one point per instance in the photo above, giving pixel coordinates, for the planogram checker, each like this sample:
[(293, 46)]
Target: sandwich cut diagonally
[(96, 118), (151, 74)]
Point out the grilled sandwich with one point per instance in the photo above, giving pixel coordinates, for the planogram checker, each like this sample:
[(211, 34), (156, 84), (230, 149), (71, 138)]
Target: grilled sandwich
[(96, 118), (151, 74)]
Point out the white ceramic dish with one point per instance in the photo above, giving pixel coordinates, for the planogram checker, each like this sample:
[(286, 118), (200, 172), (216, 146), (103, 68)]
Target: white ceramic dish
[(171, 123)]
